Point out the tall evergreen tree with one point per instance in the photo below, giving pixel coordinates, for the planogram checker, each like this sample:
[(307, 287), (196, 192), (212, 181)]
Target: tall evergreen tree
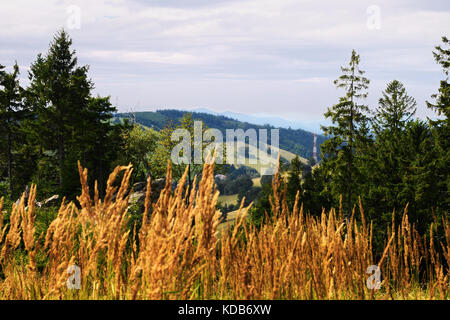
[(69, 122), (392, 117), (11, 113), (346, 117), (383, 160), (60, 90)]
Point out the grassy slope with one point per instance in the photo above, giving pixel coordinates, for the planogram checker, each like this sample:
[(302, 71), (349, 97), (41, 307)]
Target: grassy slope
[(158, 120), (293, 141)]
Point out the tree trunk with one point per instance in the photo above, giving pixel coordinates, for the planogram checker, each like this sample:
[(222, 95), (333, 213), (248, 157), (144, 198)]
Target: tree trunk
[(10, 163), (61, 156), (350, 159)]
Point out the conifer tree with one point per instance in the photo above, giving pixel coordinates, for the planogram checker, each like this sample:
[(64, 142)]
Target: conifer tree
[(11, 113), (346, 117), (395, 109), (69, 122), (392, 117), (61, 91)]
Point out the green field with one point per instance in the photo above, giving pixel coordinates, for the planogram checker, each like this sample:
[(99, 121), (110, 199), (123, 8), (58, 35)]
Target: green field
[(229, 199)]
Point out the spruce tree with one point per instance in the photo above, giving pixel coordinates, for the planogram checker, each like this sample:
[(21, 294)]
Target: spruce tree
[(69, 122), (395, 109), (392, 117), (11, 114), (61, 91), (385, 160), (346, 116)]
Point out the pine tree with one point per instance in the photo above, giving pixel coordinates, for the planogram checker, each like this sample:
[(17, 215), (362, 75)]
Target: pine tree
[(392, 117), (11, 114), (61, 91), (346, 116), (383, 159), (68, 121)]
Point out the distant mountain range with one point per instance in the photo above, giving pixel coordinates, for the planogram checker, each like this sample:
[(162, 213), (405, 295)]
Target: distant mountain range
[(263, 119), (297, 141)]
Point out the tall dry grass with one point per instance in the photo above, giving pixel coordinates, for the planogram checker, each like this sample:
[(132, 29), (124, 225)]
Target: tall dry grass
[(178, 252)]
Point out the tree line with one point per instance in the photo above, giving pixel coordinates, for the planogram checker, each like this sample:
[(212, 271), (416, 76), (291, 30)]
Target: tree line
[(386, 158), (54, 122)]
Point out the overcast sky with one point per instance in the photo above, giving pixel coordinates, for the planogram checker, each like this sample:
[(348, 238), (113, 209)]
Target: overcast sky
[(275, 57)]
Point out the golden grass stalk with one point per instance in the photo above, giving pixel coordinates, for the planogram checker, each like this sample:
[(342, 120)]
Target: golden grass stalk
[(178, 252)]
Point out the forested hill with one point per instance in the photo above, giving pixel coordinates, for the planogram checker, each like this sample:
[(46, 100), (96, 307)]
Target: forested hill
[(296, 141)]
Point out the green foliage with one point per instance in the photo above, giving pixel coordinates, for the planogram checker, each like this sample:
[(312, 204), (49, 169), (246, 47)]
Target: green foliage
[(66, 119), (4, 189), (396, 108), (441, 129), (442, 105), (140, 142), (347, 117), (250, 195), (12, 112), (44, 218), (45, 176), (294, 180), (234, 184), (261, 207), (296, 141), (316, 192), (389, 159), (55, 122)]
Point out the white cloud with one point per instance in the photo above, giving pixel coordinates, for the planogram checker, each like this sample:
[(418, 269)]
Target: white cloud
[(284, 50), (145, 57), (312, 80)]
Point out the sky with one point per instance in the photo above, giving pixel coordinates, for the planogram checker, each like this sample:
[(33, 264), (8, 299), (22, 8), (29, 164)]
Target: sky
[(276, 57)]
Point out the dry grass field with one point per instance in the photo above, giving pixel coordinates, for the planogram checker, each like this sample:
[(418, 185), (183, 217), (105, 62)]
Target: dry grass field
[(177, 252)]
